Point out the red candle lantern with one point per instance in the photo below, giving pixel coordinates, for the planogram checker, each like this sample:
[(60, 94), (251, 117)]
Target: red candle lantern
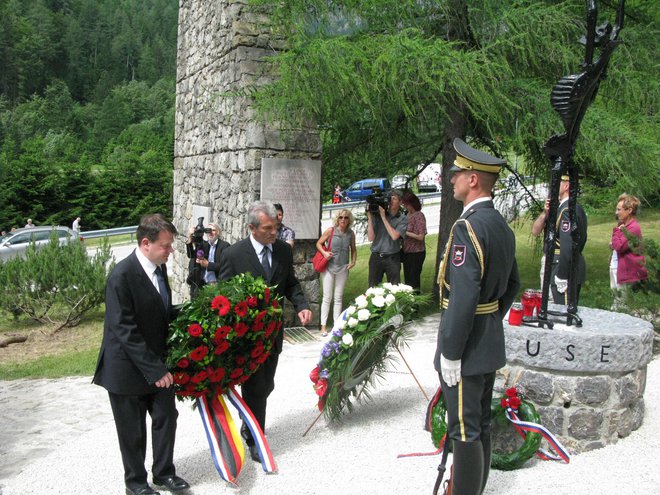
[(538, 294), (528, 302), (516, 314)]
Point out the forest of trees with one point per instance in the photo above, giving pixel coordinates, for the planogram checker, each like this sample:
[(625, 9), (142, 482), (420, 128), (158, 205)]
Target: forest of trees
[(86, 110), (391, 83), (87, 92)]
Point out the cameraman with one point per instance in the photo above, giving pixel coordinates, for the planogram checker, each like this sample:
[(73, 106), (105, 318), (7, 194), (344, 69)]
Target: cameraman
[(204, 269), (385, 230)]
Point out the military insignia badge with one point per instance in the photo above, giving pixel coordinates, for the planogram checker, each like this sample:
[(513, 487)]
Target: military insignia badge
[(458, 255), (565, 225)]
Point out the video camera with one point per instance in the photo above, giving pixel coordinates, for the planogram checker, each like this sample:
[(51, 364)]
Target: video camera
[(376, 199), (198, 233)]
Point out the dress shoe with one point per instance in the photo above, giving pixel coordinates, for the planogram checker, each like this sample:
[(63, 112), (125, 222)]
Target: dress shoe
[(172, 483), (254, 453), (143, 490)]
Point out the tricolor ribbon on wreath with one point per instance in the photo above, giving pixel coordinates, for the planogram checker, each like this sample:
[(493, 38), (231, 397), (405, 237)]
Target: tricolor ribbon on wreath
[(224, 437), (520, 414), (522, 427), (219, 340)]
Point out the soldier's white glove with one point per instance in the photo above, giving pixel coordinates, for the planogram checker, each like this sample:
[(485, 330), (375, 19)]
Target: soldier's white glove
[(561, 284), (451, 370)]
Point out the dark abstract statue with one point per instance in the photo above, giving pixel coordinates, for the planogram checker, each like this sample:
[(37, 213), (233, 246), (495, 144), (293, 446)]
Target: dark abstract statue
[(571, 98)]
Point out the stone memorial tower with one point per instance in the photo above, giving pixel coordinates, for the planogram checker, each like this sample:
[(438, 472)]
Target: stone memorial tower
[(220, 141)]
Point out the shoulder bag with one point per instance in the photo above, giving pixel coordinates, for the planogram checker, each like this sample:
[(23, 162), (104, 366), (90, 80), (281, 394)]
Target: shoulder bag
[(319, 261)]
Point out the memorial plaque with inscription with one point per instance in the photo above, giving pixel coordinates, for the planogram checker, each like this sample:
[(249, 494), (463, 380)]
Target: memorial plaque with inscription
[(296, 185)]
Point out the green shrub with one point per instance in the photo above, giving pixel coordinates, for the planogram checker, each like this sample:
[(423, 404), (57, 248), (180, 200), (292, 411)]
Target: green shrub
[(56, 284)]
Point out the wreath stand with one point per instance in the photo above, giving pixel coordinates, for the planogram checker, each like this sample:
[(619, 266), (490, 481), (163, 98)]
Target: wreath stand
[(393, 323)]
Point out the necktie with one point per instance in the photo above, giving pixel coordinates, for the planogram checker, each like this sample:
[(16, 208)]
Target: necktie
[(162, 288), (209, 276), (264, 261)]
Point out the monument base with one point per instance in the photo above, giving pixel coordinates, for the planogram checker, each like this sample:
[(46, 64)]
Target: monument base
[(586, 383)]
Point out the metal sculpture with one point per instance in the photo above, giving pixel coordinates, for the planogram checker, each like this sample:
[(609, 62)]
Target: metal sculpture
[(571, 98)]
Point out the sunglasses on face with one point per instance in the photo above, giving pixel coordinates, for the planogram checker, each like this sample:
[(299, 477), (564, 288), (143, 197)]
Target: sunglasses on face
[(341, 217)]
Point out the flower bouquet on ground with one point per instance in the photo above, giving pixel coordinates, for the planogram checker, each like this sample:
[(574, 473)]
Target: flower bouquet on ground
[(218, 341), (360, 345)]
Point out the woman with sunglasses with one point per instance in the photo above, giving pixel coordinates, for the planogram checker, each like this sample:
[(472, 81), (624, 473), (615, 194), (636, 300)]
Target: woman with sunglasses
[(341, 256)]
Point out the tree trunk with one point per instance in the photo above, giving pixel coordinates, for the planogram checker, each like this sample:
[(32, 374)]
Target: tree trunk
[(455, 126), (450, 209), (12, 339)]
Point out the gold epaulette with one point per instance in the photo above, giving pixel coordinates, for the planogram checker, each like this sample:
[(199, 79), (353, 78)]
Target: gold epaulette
[(482, 309)]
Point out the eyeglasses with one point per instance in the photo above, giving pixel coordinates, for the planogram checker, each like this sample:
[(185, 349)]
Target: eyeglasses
[(342, 217)]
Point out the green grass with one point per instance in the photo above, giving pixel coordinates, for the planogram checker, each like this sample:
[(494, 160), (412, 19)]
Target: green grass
[(69, 352), (80, 363), (596, 293)]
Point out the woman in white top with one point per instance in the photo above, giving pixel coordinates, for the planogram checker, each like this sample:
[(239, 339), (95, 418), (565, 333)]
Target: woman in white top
[(341, 257)]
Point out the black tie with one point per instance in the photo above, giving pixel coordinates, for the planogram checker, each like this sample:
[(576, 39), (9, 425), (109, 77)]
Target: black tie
[(264, 261), (162, 288)]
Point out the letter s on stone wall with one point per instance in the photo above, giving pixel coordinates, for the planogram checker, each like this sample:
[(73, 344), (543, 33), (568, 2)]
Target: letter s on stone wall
[(571, 356)]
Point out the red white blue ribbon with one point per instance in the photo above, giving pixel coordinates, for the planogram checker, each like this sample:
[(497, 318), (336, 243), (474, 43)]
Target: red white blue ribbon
[(267, 460), (223, 436), (525, 426)]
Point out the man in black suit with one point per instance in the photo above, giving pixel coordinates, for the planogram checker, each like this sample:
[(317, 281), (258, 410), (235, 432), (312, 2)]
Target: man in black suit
[(131, 363), (263, 255), (205, 269), (479, 281)]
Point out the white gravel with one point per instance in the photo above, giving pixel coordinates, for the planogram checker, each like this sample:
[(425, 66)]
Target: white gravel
[(58, 437)]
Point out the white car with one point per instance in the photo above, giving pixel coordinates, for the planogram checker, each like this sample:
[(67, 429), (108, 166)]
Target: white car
[(15, 243)]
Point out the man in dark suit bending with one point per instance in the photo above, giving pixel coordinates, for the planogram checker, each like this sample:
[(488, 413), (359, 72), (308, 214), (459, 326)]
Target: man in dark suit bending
[(131, 363), (263, 255)]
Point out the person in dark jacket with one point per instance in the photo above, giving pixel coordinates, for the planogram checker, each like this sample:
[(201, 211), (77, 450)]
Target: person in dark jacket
[(263, 255), (204, 269), (131, 362)]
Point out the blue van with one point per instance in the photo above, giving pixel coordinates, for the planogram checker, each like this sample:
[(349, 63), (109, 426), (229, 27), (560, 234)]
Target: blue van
[(361, 189)]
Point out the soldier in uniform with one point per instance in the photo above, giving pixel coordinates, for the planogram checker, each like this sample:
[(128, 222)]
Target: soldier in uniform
[(478, 281), (561, 262)]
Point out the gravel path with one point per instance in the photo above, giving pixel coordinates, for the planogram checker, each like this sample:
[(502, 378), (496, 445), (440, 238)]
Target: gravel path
[(58, 437)]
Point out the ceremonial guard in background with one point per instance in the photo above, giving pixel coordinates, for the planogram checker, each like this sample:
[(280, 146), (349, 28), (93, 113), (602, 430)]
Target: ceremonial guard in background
[(478, 282), (562, 255), (561, 263)]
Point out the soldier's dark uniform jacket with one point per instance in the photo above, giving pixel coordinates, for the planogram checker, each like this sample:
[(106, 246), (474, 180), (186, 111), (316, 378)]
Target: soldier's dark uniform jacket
[(479, 285), (561, 263)]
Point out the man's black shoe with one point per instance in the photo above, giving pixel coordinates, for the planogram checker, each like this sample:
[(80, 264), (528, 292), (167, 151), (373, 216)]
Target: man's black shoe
[(143, 490), (172, 483), (254, 453)]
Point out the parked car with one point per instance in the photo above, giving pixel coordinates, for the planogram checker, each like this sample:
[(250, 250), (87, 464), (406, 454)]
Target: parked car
[(358, 191), (422, 186), (15, 243), (428, 186), (401, 181)]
